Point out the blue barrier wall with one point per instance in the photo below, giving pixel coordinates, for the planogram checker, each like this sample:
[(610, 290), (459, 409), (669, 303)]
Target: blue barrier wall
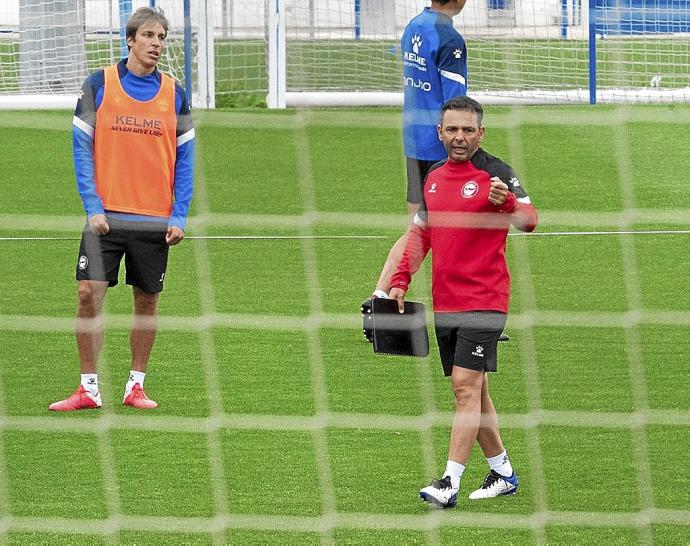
[(497, 4), (642, 16)]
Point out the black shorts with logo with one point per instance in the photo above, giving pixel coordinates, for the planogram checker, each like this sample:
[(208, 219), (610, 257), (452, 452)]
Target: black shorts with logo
[(469, 340), (417, 169), (143, 246)]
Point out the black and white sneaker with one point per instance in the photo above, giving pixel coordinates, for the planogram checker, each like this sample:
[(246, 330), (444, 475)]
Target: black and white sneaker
[(440, 493), (495, 485)]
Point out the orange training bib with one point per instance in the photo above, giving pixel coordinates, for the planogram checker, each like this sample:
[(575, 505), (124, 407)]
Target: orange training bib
[(134, 149)]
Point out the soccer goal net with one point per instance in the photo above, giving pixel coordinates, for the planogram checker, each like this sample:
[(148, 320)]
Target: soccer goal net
[(48, 47), (278, 424), (519, 50), (346, 52)]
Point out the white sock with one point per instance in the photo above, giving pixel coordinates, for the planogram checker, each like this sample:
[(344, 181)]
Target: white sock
[(90, 382), (454, 470), (501, 464), (134, 377)]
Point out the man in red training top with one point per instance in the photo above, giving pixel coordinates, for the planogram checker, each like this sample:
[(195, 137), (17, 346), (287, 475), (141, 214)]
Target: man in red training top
[(469, 202)]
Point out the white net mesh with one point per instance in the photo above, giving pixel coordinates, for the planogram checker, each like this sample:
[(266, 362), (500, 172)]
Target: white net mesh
[(535, 49), (50, 46), (545, 425), (546, 453)]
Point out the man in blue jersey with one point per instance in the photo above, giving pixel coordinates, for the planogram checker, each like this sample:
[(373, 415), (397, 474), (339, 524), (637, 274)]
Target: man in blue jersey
[(434, 71), (133, 146)]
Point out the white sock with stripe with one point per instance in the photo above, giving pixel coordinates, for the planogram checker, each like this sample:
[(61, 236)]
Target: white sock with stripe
[(501, 464)]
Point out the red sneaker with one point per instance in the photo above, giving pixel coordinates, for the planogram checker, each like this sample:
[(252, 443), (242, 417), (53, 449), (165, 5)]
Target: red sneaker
[(81, 399), (137, 399)]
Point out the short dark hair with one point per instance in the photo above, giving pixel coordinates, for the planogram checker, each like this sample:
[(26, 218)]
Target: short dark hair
[(464, 103), (143, 16)]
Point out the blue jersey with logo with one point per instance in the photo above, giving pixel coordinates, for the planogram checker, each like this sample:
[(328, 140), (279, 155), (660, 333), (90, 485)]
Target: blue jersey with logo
[(434, 71)]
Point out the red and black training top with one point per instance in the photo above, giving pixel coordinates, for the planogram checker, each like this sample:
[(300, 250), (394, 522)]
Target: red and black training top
[(466, 234)]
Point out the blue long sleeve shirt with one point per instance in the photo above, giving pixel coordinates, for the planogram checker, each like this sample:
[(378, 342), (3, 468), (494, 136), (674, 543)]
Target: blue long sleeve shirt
[(434, 71)]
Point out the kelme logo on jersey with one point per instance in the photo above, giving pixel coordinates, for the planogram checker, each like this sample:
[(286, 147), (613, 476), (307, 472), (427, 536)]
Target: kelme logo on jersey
[(133, 124), (413, 56), (432, 189), (457, 53), (469, 189)]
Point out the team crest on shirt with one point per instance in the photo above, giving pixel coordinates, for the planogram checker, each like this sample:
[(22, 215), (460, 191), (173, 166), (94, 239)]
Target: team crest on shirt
[(83, 262), (469, 189)]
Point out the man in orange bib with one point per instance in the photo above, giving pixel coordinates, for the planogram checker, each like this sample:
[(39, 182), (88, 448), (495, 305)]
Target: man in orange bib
[(133, 143)]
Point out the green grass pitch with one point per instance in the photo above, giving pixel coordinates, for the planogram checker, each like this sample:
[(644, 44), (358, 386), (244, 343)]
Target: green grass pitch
[(277, 424)]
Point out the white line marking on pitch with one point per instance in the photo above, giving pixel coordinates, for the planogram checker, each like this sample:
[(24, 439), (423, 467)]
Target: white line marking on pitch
[(287, 237), (569, 233), (259, 237)]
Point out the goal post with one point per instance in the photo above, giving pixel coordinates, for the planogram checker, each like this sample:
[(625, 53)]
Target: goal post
[(277, 53), (124, 12)]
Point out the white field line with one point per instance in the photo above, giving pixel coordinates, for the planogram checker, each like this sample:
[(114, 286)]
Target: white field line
[(353, 237), (220, 237), (584, 233)]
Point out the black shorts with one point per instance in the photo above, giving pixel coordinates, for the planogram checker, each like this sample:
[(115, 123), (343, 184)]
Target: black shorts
[(417, 169), (143, 246), (469, 340)]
